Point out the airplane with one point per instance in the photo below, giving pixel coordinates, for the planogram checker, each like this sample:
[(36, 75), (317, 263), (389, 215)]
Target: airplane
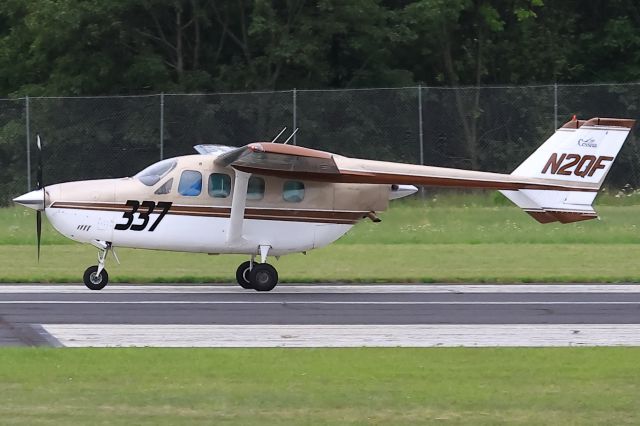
[(273, 199)]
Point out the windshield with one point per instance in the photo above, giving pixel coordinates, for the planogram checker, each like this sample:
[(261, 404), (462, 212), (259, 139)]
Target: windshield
[(152, 174)]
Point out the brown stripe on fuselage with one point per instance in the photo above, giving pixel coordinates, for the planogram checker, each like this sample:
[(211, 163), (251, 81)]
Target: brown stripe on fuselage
[(289, 215)]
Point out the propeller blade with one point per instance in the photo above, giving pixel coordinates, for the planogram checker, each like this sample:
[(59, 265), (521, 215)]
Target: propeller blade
[(40, 185), (38, 230)]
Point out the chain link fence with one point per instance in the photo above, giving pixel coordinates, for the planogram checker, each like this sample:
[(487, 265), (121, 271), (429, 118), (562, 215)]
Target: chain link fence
[(482, 128)]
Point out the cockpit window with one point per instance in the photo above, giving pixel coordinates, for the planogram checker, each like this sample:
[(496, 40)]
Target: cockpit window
[(152, 174), (165, 188)]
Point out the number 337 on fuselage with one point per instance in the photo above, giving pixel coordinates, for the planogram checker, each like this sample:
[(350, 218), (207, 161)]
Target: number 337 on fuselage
[(269, 199)]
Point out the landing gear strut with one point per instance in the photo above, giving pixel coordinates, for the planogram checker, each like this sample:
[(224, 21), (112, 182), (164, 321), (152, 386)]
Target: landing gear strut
[(96, 277)]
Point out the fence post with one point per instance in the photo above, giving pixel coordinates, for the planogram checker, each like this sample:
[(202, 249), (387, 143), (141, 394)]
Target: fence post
[(555, 106), (162, 126), (421, 135), (295, 116), (420, 129), (28, 129)]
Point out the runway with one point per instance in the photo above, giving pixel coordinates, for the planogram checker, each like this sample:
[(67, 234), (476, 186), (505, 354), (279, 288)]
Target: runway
[(321, 315)]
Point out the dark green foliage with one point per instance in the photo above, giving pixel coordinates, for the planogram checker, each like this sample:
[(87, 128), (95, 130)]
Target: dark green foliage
[(66, 47)]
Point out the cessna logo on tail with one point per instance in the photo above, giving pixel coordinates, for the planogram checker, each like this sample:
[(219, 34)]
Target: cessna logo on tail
[(579, 165), (588, 143)]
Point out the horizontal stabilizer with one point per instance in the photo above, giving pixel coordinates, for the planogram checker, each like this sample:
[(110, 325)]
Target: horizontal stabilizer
[(554, 206)]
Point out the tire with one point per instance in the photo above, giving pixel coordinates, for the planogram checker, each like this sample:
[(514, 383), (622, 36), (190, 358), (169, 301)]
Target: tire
[(93, 281), (263, 277), (243, 275)]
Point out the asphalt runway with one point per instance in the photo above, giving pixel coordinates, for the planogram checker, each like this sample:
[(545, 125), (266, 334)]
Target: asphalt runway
[(321, 315)]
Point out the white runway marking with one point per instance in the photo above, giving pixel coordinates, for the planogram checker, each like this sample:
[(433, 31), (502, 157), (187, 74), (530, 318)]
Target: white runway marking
[(323, 288), (529, 335), (298, 302)]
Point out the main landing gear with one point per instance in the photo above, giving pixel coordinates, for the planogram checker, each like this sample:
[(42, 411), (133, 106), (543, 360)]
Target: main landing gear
[(257, 276), (96, 277)]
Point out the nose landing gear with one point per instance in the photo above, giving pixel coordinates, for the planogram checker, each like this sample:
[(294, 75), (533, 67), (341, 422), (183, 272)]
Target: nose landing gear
[(96, 277)]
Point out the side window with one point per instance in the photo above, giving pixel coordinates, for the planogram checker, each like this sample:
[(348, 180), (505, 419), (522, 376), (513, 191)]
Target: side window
[(165, 188), (293, 191), (190, 183), (219, 185), (255, 189)]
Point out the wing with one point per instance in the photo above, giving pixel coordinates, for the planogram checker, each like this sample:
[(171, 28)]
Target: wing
[(297, 162), (558, 182)]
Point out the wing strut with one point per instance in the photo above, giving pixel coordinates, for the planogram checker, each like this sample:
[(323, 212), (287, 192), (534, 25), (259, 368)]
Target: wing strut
[(238, 203)]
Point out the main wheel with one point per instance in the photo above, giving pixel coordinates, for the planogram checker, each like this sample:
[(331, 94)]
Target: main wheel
[(263, 277), (242, 275), (94, 281)]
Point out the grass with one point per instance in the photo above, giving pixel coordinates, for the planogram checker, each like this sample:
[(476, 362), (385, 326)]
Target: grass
[(450, 237), (416, 224), (345, 263), (320, 386)]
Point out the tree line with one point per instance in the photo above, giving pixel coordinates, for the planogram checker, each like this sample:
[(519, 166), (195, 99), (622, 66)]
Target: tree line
[(96, 47), (139, 47)]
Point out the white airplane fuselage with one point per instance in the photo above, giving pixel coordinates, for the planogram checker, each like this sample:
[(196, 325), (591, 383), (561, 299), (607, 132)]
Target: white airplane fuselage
[(194, 233), (126, 212)]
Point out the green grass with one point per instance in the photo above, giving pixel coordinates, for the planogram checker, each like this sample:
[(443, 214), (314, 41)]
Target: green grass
[(451, 237), (345, 263), (320, 386), (420, 224), (18, 226)]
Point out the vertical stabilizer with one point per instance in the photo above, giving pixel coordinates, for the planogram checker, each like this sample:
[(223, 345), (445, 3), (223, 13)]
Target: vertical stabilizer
[(580, 151)]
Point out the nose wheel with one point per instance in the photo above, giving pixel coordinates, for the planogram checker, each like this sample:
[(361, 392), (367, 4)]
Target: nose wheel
[(96, 277), (260, 276), (95, 280)]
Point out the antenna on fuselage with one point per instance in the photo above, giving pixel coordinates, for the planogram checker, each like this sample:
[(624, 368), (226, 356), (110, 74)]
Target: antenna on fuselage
[(278, 135), (289, 138)]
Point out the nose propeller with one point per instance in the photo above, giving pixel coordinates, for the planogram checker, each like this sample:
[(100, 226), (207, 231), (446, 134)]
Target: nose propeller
[(36, 199), (39, 186)]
